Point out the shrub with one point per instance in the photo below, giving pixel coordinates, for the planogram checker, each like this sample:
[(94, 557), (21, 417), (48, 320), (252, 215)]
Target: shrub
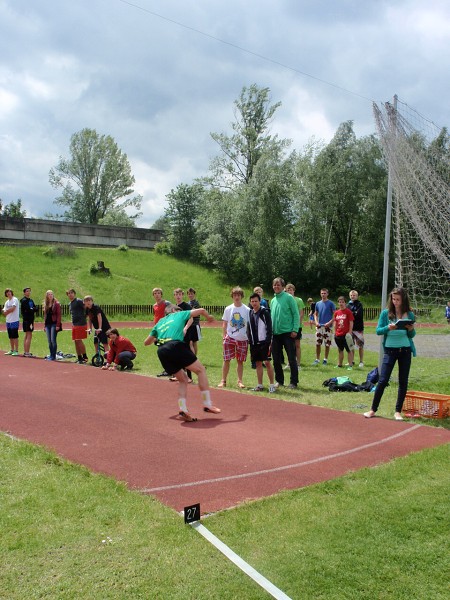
[(122, 248), (60, 250), (94, 269)]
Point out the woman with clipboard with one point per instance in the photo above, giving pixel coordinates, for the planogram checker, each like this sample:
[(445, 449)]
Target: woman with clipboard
[(396, 324)]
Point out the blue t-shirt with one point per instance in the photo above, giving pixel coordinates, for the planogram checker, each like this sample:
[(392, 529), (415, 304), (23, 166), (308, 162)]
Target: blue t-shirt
[(325, 311)]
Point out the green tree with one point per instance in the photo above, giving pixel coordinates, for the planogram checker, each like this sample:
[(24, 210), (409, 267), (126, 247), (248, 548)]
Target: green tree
[(13, 210), (94, 179), (181, 220), (241, 151)]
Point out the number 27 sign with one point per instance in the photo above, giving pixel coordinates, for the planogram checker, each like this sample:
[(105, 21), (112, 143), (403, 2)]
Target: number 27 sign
[(192, 513)]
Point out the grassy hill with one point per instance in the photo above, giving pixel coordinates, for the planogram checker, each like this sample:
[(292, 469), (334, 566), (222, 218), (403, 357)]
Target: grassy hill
[(134, 274)]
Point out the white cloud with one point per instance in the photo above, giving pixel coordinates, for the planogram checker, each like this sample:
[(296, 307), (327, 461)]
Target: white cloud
[(159, 88)]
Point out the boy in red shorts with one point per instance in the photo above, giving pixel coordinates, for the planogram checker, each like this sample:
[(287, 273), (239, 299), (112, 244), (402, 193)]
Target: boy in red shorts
[(79, 325), (235, 341)]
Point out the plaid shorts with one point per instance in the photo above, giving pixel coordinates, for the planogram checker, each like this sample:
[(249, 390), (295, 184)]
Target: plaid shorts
[(358, 338), (234, 349)]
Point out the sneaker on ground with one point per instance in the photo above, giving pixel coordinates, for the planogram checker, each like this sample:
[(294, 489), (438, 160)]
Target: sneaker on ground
[(361, 365), (163, 374), (272, 388), (292, 386), (258, 388), (15, 353), (286, 368), (316, 362), (276, 385), (324, 362), (338, 367), (349, 368), (8, 353)]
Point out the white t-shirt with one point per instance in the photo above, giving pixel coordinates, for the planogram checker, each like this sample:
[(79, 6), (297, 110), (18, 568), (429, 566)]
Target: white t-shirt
[(13, 316), (236, 318)]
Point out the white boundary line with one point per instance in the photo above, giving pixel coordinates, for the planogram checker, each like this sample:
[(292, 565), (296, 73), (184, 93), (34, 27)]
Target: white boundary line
[(283, 468), (239, 562)]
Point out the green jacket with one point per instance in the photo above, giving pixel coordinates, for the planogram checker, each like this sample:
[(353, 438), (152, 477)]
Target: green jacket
[(383, 328), (284, 313)]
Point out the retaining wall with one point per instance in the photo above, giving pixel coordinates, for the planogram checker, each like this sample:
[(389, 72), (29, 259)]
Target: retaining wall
[(41, 231)]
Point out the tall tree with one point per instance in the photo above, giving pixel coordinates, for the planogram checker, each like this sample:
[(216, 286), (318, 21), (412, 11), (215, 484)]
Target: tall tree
[(94, 179), (181, 220), (241, 151)]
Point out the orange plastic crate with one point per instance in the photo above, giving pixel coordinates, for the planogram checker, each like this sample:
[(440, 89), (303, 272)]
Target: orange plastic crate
[(422, 404)]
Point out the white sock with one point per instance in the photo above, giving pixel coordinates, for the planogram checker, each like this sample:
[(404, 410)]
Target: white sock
[(182, 404), (206, 397)]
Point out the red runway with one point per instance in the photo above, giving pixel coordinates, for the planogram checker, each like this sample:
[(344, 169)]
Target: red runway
[(125, 425)]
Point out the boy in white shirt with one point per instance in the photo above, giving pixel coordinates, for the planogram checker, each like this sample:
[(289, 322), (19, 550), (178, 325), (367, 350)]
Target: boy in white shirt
[(234, 333)]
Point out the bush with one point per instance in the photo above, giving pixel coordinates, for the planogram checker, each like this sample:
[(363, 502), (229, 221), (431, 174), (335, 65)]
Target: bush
[(60, 250), (94, 269), (163, 248), (122, 248)]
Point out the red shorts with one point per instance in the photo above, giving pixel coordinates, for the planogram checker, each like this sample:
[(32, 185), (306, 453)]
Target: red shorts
[(79, 332), (234, 349)]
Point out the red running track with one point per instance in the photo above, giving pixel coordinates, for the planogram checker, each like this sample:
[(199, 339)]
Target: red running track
[(126, 426)]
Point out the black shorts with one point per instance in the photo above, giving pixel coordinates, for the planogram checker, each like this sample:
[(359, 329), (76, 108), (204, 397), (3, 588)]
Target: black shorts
[(13, 333), (101, 337), (193, 333), (175, 355), (260, 353), (28, 326), (341, 343)]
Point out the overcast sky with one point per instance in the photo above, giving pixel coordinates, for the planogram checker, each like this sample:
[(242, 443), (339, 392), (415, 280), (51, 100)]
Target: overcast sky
[(160, 76)]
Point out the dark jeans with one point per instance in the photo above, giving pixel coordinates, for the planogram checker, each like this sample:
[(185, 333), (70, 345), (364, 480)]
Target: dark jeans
[(51, 332), (279, 342), (126, 358), (390, 357)]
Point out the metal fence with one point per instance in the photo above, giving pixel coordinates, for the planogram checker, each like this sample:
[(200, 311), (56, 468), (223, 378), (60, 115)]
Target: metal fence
[(370, 313)]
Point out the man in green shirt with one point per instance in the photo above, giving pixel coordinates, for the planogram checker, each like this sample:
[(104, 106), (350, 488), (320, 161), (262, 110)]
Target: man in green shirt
[(175, 355), (285, 323)]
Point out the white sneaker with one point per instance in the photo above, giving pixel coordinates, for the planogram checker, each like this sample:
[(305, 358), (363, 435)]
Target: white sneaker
[(286, 368), (272, 388), (316, 362), (361, 365)]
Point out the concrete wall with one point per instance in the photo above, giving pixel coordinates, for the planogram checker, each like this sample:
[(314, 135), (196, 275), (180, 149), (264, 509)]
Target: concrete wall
[(41, 231)]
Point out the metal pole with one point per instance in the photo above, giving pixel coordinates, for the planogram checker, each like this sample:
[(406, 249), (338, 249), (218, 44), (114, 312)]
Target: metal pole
[(387, 234)]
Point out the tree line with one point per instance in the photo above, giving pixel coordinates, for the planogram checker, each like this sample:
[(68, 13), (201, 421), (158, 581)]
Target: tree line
[(314, 216)]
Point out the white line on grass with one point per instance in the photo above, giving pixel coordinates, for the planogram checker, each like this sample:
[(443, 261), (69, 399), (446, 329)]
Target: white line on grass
[(239, 562), (283, 468)]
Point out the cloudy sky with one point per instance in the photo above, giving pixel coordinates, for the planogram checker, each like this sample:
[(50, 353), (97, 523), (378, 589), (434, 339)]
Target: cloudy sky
[(159, 76)]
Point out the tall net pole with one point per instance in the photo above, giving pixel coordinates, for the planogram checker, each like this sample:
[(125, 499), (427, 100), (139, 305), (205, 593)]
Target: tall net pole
[(417, 153)]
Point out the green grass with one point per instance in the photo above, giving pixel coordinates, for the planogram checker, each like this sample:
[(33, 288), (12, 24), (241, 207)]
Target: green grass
[(66, 533), (134, 274), (377, 533)]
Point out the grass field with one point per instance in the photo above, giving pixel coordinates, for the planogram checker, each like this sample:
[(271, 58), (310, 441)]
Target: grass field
[(66, 533)]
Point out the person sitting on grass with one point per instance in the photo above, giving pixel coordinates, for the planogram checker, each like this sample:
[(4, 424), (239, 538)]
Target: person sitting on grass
[(121, 352), (175, 355)]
